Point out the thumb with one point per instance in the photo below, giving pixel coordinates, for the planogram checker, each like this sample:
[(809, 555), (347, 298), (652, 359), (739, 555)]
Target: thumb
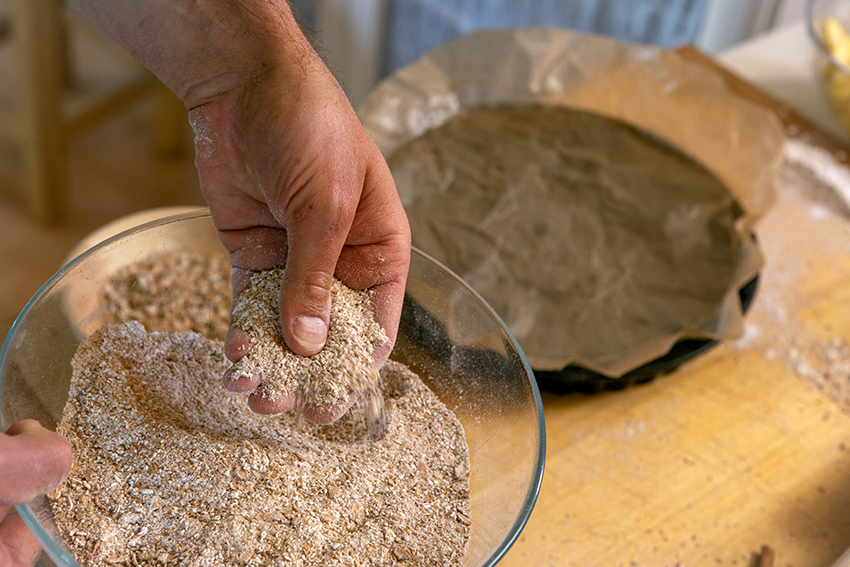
[(33, 461), (316, 234)]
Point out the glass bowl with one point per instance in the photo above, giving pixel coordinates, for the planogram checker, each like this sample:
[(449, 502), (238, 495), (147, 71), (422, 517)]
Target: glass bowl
[(815, 14), (828, 27), (448, 335)]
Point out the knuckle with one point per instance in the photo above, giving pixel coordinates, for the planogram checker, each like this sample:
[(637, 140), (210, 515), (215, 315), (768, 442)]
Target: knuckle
[(314, 287)]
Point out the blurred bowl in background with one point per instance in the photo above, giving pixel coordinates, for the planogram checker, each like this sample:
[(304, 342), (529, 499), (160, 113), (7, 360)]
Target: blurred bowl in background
[(827, 22), (820, 13), (126, 222), (448, 335)]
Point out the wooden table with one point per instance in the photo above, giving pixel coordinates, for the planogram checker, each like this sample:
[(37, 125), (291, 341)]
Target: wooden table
[(735, 450)]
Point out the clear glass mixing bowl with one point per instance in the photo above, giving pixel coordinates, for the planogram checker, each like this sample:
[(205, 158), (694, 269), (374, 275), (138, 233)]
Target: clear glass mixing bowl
[(448, 334), (814, 13)]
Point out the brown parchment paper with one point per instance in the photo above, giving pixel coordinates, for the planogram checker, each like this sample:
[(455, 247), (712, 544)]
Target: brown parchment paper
[(647, 87)]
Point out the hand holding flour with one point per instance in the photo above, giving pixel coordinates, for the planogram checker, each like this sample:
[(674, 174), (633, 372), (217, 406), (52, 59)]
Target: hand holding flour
[(286, 167)]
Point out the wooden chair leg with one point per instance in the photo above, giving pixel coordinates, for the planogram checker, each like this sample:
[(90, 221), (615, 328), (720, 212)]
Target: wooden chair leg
[(37, 28)]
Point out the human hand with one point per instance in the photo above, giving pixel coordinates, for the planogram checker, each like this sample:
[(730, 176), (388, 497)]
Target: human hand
[(291, 175), (286, 168), (33, 461)]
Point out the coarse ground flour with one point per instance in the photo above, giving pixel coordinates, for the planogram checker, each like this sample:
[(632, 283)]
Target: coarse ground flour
[(171, 470), (344, 364), (172, 290)]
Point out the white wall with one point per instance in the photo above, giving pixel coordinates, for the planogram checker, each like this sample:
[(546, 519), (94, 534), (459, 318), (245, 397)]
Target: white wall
[(790, 11), (729, 22)]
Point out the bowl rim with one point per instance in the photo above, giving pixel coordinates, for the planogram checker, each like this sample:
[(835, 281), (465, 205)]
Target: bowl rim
[(58, 553), (815, 36), (537, 479)]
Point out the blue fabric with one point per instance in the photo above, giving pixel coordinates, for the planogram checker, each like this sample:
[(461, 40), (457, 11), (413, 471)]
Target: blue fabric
[(414, 27), (305, 12)]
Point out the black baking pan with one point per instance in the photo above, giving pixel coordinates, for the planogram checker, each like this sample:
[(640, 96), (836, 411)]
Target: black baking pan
[(579, 379), (433, 335)]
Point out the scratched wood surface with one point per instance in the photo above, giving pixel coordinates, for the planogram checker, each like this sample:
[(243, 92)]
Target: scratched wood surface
[(746, 446)]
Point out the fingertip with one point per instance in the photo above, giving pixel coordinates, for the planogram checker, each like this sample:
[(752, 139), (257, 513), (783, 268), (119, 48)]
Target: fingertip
[(237, 344), (33, 460), (262, 405), (65, 457), (56, 446), (239, 383), (62, 458), (325, 414)]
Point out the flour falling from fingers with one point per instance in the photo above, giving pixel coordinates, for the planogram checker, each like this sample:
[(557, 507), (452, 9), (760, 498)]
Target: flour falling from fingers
[(343, 366)]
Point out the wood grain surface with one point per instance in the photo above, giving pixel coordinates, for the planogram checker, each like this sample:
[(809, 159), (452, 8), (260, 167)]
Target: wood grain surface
[(745, 447)]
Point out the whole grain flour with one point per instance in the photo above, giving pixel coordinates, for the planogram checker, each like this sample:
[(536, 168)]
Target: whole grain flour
[(172, 290), (171, 470), (343, 365)]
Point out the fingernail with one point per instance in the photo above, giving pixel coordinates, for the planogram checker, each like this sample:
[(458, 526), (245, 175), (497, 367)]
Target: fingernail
[(310, 332)]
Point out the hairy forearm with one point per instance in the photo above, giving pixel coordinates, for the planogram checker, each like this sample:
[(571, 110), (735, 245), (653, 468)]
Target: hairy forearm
[(203, 48)]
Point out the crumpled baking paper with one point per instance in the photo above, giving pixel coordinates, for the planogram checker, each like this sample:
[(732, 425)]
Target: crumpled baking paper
[(676, 101)]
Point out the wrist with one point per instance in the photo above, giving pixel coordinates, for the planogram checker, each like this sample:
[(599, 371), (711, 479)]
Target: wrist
[(245, 42)]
